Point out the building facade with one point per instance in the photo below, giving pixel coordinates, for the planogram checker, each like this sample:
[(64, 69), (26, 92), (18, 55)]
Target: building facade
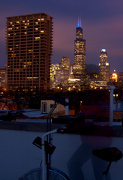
[(79, 66), (59, 73), (120, 76), (65, 62), (3, 78), (53, 71), (29, 50), (104, 68), (61, 78), (120, 80)]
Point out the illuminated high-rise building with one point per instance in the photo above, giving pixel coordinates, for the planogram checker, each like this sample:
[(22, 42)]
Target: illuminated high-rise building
[(104, 68), (54, 68), (65, 62), (60, 73), (79, 66), (3, 77), (120, 77), (29, 50)]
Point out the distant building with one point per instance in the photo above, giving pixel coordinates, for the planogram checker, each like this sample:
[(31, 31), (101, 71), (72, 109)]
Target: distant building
[(65, 62), (120, 80), (74, 84), (3, 77), (53, 69), (120, 77), (60, 73), (29, 50), (104, 68), (61, 78), (79, 66), (97, 84)]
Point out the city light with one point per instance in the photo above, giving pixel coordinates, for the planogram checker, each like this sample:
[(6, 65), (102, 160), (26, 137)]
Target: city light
[(103, 50), (114, 77)]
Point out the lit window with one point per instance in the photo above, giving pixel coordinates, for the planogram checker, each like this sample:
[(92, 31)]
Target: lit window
[(29, 63), (25, 27), (25, 32), (35, 77), (42, 19), (36, 23), (17, 27), (10, 22), (13, 55), (9, 29), (30, 51), (17, 22), (23, 21), (29, 78), (36, 29), (27, 20), (39, 19), (42, 31), (37, 38), (8, 34), (32, 77), (16, 70)]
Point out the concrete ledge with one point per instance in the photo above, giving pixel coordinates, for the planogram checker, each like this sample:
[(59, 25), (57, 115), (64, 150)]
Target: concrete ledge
[(94, 130), (26, 126)]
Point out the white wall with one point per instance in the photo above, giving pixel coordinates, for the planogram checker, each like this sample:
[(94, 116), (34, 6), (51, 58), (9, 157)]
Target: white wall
[(59, 107), (18, 155)]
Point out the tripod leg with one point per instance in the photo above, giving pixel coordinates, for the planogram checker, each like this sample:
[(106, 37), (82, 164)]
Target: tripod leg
[(106, 171)]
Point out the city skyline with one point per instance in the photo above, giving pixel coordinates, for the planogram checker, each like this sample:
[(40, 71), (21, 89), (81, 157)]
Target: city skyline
[(100, 20)]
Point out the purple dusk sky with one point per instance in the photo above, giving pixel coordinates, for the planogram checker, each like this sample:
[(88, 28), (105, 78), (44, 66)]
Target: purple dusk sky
[(102, 23)]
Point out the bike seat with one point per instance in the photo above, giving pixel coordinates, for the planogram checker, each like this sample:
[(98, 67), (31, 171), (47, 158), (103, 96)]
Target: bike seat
[(109, 154)]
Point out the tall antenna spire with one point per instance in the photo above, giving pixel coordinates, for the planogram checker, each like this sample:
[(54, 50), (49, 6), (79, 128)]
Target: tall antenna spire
[(79, 22)]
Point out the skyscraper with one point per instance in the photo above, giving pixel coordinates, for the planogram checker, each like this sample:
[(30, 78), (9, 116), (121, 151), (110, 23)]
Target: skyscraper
[(104, 66), (29, 50), (79, 66)]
